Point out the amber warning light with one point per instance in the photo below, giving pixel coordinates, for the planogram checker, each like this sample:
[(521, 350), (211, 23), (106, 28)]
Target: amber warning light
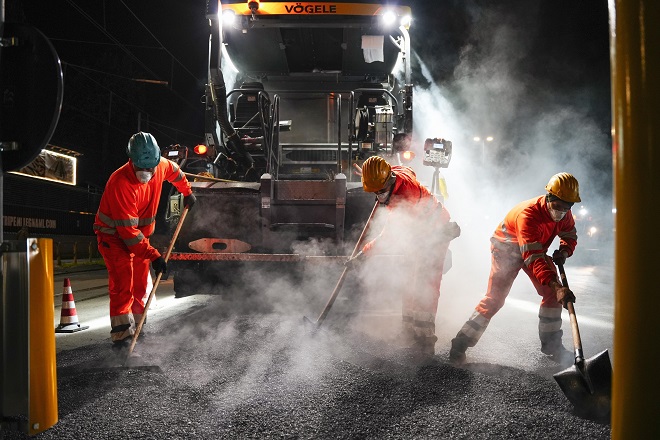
[(200, 149), (253, 5), (407, 156)]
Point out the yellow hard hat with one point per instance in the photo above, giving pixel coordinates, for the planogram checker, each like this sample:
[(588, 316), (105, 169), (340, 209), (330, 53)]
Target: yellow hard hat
[(375, 173), (564, 186)]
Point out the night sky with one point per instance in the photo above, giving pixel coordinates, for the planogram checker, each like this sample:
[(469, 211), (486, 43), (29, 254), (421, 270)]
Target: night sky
[(533, 58)]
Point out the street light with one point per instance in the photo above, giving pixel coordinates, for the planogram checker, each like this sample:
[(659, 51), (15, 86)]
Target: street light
[(483, 145)]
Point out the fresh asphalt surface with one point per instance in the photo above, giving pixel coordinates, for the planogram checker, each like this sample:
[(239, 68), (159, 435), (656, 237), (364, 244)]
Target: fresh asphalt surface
[(243, 365)]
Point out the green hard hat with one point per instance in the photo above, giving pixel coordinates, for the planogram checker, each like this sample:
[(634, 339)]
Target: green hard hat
[(143, 150)]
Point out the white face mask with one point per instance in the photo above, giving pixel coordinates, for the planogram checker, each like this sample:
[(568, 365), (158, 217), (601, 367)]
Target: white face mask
[(556, 215), (144, 176)]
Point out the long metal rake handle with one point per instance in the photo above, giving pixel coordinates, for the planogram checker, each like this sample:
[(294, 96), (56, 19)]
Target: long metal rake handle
[(138, 329)]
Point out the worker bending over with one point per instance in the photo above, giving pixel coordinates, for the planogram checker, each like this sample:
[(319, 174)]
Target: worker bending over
[(418, 227), (124, 222), (521, 241)]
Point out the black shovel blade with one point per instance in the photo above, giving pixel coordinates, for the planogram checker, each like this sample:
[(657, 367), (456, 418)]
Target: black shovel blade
[(588, 386), (310, 325)]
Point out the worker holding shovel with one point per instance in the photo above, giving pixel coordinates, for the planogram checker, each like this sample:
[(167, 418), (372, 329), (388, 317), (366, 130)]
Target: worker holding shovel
[(417, 227), (124, 222), (521, 241)]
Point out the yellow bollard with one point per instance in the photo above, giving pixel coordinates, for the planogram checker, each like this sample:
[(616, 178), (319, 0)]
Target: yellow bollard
[(43, 372), (635, 67)]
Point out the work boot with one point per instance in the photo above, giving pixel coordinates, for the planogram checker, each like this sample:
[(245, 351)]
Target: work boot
[(556, 352), (122, 344), (458, 347), (406, 338), (425, 345)]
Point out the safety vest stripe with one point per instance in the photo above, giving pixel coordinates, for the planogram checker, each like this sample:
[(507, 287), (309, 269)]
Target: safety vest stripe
[(422, 318), (475, 326), (533, 257), (550, 312), (109, 231), (572, 234), (550, 327), (130, 222), (121, 320), (135, 240), (179, 177), (511, 248), (146, 221), (536, 246), (549, 319), (106, 219), (127, 222)]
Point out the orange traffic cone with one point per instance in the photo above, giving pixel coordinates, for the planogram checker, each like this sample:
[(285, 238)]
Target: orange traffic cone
[(69, 317)]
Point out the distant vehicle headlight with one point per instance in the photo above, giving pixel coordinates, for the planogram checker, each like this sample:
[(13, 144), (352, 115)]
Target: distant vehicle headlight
[(592, 231)]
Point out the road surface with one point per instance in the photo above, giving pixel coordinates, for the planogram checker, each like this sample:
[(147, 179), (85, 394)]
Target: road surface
[(242, 365)]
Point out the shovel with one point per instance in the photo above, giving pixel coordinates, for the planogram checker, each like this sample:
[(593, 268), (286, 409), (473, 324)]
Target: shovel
[(588, 383), (340, 282), (156, 283)]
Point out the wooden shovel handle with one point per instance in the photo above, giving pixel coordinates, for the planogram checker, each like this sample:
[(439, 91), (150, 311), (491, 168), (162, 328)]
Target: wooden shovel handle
[(138, 329), (577, 341), (340, 282)]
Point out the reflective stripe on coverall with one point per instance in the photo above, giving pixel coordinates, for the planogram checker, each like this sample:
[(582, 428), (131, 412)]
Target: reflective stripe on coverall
[(427, 253), (521, 242), (125, 220)]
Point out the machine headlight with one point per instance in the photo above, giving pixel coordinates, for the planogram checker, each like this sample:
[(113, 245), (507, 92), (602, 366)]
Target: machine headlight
[(389, 17), (405, 21), (228, 17)]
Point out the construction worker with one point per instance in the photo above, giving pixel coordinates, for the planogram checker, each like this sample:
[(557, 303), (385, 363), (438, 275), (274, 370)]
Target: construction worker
[(521, 241), (124, 222), (413, 210)]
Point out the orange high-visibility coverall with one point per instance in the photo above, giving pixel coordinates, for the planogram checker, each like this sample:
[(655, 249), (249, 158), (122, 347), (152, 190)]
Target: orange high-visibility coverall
[(125, 219), (414, 226), (521, 241)]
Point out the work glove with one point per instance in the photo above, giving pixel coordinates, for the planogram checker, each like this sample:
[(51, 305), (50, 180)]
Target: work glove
[(159, 266), (354, 261), (559, 257), (189, 201), (450, 231), (564, 296)]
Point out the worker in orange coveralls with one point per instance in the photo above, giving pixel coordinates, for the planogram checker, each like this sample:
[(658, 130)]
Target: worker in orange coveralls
[(125, 220), (521, 241), (413, 210)]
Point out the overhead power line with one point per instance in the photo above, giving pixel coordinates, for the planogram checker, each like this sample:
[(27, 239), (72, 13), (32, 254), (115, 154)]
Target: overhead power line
[(129, 53), (111, 37), (152, 120), (102, 43), (158, 41)]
